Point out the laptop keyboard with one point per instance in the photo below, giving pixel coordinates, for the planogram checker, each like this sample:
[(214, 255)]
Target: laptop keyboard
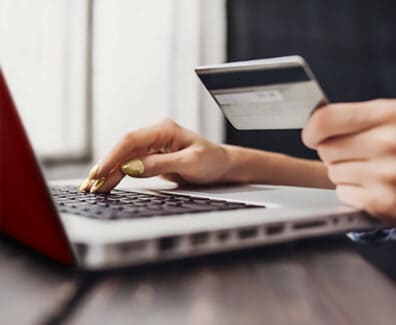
[(121, 204)]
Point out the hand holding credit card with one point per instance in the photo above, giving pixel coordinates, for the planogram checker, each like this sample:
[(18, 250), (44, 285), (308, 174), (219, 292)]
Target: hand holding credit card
[(276, 93)]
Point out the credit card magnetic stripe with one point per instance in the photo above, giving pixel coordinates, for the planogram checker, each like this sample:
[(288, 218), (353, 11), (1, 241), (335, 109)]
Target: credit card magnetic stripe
[(251, 78)]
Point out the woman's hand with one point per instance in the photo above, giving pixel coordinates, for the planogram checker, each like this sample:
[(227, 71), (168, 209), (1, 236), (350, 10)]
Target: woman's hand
[(165, 149), (357, 142)]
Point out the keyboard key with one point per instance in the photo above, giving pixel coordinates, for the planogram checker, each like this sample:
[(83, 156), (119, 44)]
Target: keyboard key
[(128, 205)]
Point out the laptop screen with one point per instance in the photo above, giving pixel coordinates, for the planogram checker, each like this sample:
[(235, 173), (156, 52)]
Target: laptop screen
[(26, 210)]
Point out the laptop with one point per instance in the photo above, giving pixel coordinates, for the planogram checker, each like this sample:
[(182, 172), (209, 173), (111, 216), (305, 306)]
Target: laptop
[(132, 226)]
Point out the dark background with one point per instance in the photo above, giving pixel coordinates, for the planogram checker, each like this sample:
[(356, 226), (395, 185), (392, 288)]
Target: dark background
[(350, 46)]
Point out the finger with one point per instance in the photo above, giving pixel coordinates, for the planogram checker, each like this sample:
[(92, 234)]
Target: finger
[(153, 165), (372, 173), (359, 146), (166, 163), (352, 195), (343, 118), (165, 136), (349, 173), (379, 202), (109, 183), (86, 185)]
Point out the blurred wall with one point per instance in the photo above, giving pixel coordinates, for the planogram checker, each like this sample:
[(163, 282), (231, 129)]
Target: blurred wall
[(84, 72), (144, 54), (43, 52), (350, 45)]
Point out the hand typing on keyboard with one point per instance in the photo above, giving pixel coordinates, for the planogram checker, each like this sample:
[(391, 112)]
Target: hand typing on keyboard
[(179, 155), (356, 142), (165, 149)]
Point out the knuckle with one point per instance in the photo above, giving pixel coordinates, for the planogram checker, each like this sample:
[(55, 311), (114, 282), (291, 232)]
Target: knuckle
[(164, 131), (184, 161), (169, 124), (195, 154), (167, 129)]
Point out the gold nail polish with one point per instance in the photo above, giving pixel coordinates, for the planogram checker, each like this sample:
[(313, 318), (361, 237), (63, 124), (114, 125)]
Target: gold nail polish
[(84, 185), (133, 168), (97, 185), (93, 171)]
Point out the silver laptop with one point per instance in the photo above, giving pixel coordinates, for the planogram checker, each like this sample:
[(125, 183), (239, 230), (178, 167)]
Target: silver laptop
[(137, 224)]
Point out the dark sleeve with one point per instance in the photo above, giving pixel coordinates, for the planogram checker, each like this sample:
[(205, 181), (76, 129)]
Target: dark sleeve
[(376, 236)]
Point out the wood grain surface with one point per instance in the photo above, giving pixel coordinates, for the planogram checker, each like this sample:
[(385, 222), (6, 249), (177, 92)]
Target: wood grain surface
[(307, 282)]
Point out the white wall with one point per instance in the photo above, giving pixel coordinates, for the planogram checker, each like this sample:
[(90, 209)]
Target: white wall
[(144, 56), (213, 50), (132, 55), (143, 59), (43, 55)]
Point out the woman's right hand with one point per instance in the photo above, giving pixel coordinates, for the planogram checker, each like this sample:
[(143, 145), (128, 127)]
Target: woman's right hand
[(165, 149)]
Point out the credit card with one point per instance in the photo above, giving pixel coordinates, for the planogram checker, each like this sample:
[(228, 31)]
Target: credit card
[(276, 93)]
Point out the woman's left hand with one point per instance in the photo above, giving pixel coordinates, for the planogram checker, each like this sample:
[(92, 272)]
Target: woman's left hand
[(357, 142)]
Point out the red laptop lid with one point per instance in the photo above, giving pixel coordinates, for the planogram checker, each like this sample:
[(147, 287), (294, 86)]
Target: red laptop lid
[(26, 210)]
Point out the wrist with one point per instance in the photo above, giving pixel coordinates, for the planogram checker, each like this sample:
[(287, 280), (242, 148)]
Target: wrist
[(237, 170), (249, 165), (258, 166)]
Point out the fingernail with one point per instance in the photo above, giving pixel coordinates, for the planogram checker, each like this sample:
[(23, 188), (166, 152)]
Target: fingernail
[(133, 168), (97, 185), (93, 171), (84, 185)]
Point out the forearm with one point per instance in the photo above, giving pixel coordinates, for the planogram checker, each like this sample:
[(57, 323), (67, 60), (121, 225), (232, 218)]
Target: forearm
[(258, 166)]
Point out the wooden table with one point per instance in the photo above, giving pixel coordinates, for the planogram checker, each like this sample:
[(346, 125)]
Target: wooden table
[(316, 281), (324, 281)]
